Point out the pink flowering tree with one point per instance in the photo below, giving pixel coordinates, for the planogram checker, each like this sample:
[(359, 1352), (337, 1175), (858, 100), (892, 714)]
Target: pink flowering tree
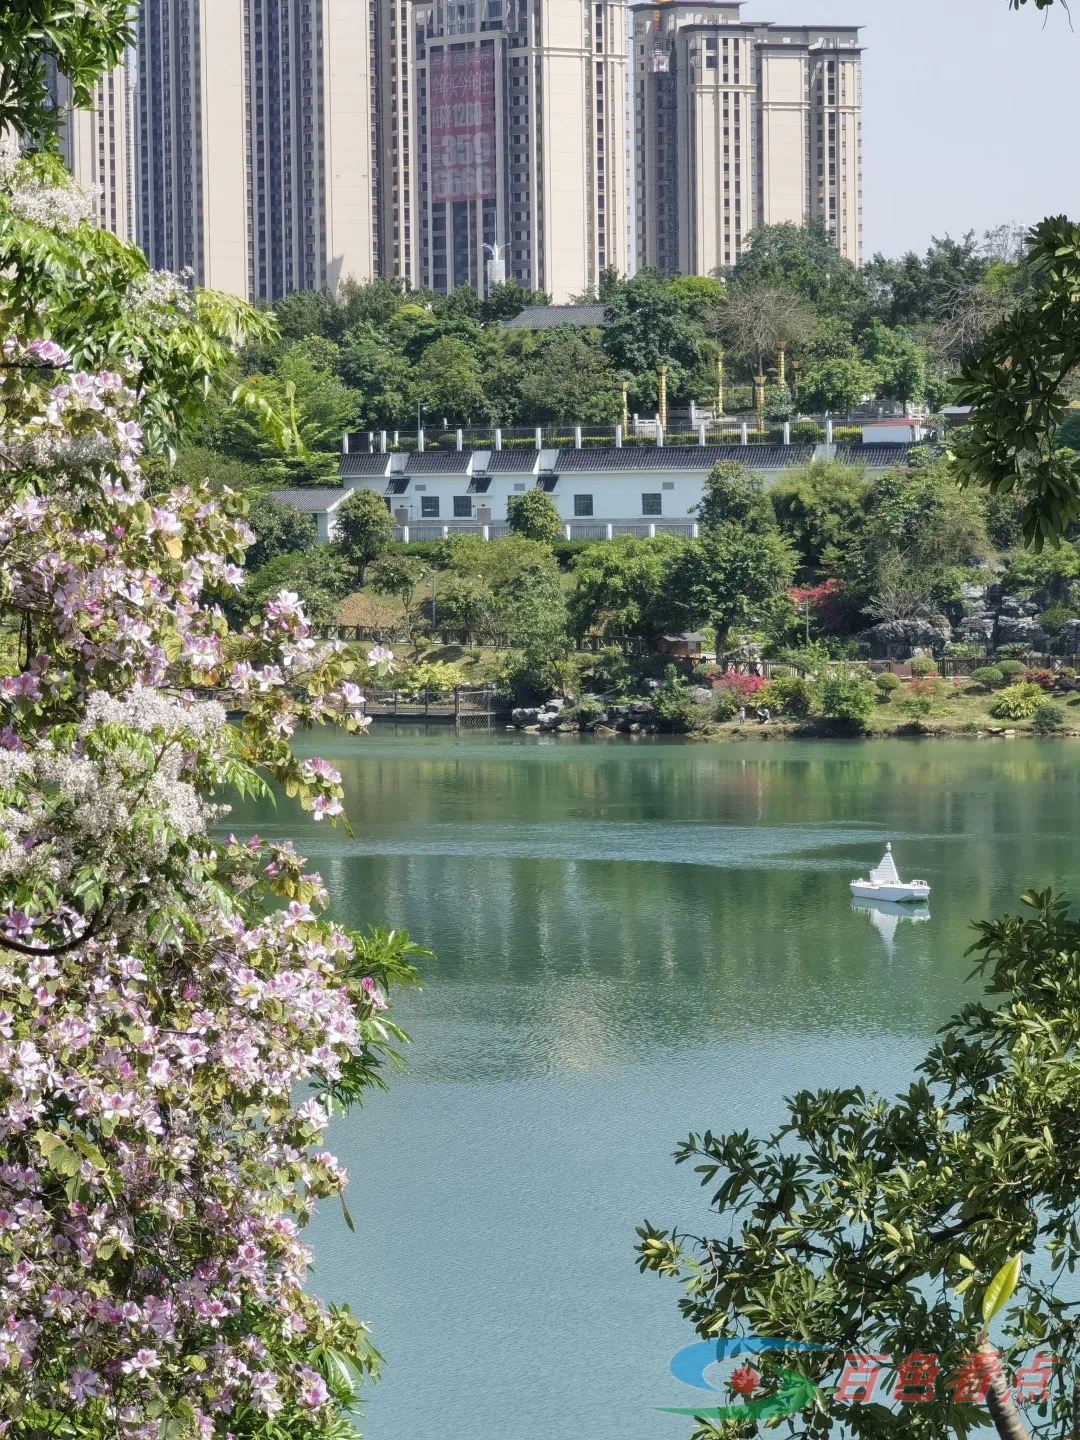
[(178, 1018)]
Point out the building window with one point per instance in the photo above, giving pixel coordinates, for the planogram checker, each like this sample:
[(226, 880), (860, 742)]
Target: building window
[(583, 505), (429, 507), (462, 507), (652, 504)]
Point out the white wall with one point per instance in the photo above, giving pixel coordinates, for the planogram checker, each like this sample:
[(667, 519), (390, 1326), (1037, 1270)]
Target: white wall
[(616, 495)]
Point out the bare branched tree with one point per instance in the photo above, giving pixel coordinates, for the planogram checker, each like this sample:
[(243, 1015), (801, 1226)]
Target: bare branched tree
[(903, 592), (754, 324), (967, 314)]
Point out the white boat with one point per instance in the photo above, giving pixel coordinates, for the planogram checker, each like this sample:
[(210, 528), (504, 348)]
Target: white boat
[(885, 884)]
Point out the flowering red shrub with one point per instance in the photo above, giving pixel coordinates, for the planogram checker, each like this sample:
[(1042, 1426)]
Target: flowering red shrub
[(829, 603), (744, 685), (1043, 678)]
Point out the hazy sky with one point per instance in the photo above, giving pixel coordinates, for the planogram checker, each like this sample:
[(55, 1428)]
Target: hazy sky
[(969, 113)]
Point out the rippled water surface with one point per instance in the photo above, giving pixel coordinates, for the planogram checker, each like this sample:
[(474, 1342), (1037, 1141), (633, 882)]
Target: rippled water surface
[(633, 940)]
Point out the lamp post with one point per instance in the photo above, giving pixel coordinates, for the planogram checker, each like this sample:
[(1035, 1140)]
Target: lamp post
[(624, 386), (795, 368), (661, 384), (780, 365), (420, 410), (720, 385), (759, 402)]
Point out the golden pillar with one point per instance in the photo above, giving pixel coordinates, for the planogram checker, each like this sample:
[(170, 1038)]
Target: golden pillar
[(720, 385), (661, 388), (624, 386), (795, 368), (759, 402), (780, 366)]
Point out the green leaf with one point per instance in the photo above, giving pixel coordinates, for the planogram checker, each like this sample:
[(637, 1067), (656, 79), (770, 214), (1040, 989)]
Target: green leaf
[(1001, 1287)]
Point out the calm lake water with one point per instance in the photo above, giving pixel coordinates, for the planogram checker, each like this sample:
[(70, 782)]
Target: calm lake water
[(634, 940)]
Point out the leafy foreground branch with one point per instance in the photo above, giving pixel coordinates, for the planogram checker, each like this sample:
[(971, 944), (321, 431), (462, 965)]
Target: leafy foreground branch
[(868, 1226)]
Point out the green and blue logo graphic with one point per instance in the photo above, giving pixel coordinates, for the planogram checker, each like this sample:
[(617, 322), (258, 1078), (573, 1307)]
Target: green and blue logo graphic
[(690, 1363)]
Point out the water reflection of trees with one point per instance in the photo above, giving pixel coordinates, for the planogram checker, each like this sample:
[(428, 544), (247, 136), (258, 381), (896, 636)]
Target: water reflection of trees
[(611, 952)]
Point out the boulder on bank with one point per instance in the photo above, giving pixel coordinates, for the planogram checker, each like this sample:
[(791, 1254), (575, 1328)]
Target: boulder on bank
[(1021, 630), (892, 636)]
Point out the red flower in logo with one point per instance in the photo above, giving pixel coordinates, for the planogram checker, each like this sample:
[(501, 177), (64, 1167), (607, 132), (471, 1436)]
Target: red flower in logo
[(744, 1381)]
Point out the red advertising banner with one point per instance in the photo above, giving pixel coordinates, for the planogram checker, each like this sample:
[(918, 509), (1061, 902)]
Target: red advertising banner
[(461, 123)]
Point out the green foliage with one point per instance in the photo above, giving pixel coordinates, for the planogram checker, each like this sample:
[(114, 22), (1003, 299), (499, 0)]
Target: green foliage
[(886, 683), (432, 677), (81, 39), (534, 516), (922, 666), (732, 495), (1009, 668), (1049, 569), (618, 584), (917, 289), (447, 381), (365, 529), (1015, 382), (820, 507), (801, 258), (787, 695), (846, 698), (866, 1224), (648, 326), (1017, 702), (1048, 718), (989, 677), (673, 704), (318, 575), (565, 375), (279, 530), (95, 296)]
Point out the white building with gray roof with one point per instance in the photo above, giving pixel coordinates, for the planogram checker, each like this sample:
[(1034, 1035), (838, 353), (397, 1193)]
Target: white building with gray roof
[(599, 490)]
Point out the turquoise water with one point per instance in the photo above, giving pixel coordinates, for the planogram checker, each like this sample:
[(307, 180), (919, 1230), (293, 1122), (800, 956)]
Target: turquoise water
[(634, 939)]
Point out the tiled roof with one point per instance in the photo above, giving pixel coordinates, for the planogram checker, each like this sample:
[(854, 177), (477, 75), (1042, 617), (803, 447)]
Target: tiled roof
[(682, 457), (364, 464), (877, 457), (545, 317), (480, 484), (313, 501), (502, 462), (397, 485), (439, 462)]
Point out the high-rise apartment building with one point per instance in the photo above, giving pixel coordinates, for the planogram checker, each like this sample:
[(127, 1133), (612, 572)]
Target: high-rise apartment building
[(97, 146), (288, 144), (518, 143), (740, 124), (255, 164)]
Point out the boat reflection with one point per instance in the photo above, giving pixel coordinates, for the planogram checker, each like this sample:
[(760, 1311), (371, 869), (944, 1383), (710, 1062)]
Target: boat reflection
[(885, 916)]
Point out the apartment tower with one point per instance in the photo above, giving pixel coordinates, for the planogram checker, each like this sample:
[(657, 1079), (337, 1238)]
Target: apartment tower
[(97, 146), (518, 144), (740, 124), (255, 126)]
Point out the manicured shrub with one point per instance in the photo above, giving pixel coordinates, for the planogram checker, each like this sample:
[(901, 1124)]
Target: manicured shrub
[(1048, 718), (922, 666), (787, 695), (845, 697), (990, 677), (1010, 668), (1017, 702), (886, 683)]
